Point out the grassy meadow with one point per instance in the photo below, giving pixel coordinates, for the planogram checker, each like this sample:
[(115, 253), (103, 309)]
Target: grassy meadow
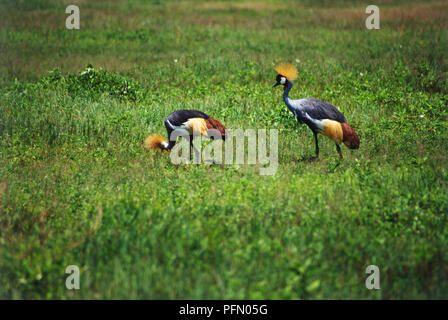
[(78, 188)]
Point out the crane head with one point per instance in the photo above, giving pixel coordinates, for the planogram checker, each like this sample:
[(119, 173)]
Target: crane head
[(155, 141), (280, 80), (285, 72)]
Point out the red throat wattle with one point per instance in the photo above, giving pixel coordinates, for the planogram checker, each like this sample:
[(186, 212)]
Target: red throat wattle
[(284, 87)]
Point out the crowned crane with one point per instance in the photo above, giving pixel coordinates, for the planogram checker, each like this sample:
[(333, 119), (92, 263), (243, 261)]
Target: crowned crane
[(321, 117), (196, 123)]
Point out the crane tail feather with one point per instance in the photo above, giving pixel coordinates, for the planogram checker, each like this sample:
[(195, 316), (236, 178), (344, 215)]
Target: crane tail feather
[(215, 124), (349, 136)]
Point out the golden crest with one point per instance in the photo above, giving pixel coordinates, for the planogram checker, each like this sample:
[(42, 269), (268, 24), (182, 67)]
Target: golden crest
[(153, 141), (287, 70)]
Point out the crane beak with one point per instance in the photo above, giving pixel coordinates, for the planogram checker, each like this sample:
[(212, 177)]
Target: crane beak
[(278, 83)]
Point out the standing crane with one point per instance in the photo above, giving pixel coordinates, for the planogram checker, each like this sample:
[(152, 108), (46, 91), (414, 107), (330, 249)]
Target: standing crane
[(319, 116), (195, 122)]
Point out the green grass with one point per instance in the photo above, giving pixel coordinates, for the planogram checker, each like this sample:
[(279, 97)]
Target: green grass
[(77, 187)]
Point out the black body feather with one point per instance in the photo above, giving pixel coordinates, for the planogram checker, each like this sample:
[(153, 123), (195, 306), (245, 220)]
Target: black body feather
[(319, 110), (178, 117)]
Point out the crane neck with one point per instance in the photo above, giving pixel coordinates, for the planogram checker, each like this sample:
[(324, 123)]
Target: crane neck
[(286, 98)]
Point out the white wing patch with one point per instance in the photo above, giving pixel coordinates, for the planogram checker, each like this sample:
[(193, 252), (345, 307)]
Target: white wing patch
[(318, 123)]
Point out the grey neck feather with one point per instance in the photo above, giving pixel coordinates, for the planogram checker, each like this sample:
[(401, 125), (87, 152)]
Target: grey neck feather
[(286, 95)]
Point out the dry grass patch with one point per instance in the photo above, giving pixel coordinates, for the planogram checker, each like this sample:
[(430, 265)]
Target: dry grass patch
[(423, 14), (255, 6)]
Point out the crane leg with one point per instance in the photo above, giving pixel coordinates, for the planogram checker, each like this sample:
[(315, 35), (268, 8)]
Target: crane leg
[(191, 146), (196, 151), (317, 144), (338, 148)]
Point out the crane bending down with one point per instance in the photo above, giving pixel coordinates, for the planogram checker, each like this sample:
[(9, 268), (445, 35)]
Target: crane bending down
[(319, 116), (196, 123)]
